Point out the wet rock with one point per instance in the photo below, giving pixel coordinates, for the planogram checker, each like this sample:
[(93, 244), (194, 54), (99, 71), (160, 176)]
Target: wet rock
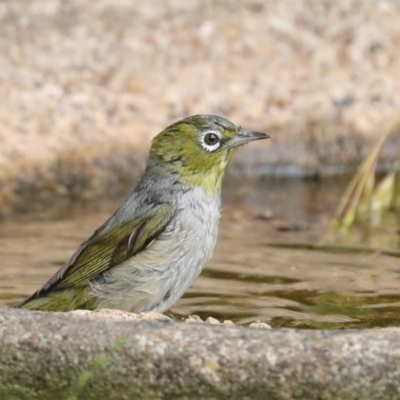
[(260, 325), (211, 320), (44, 355), (194, 319)]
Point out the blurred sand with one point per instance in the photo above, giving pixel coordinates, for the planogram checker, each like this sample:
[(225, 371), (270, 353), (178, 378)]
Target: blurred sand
[(84, 85)]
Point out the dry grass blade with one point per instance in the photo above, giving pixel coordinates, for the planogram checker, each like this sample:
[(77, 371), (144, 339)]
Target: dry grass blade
[(360, 202), (357, 196), (382, 198), (396, 199)]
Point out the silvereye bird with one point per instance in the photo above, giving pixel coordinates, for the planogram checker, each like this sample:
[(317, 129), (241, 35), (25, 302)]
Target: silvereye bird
[(156, 244)]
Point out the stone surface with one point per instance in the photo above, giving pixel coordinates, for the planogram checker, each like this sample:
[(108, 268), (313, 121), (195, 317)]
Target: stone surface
[(108, 314), (53, 356)]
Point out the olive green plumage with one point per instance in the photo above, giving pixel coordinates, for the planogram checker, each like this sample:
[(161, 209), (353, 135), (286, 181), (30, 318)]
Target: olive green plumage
[(155, 245)]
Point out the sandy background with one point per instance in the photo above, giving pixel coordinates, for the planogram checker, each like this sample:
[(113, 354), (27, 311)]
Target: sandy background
[(84, 85)]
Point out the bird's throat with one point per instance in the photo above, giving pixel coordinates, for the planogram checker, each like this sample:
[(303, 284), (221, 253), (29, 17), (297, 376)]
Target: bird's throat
[(210, 182)]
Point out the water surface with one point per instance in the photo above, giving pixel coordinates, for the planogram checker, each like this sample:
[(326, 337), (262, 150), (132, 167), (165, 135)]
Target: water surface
[(265, 267)]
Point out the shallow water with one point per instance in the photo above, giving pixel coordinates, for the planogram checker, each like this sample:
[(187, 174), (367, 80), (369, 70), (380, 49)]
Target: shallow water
[(265, 266)]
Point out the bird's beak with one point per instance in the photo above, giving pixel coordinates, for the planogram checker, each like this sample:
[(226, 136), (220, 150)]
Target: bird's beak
[(244, 137)]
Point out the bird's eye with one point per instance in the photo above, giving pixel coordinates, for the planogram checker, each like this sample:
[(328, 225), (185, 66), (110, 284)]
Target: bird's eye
[(211, 139)]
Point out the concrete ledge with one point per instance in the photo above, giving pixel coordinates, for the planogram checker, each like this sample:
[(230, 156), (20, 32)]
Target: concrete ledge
[(45, 356)]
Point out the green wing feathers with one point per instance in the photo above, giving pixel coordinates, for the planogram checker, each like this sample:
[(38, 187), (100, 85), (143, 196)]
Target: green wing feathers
[(98, 255), (60, 300), (106, 249)]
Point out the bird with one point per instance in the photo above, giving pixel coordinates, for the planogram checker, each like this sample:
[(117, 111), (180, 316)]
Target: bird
[(146, 255)]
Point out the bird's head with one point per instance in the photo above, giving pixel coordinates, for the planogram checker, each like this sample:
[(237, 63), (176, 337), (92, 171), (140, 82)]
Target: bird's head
[(199, 149)]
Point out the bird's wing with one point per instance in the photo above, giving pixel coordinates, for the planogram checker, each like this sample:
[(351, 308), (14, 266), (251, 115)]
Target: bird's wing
[(106, 250)]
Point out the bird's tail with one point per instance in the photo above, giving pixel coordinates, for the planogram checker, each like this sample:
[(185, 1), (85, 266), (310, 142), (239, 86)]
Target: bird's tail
[(62, 300)]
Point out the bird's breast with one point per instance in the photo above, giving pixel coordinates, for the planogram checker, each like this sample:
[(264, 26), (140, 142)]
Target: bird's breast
[(197, 218)]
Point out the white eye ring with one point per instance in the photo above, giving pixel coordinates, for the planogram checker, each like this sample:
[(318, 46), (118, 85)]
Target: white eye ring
[(211, 141)]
